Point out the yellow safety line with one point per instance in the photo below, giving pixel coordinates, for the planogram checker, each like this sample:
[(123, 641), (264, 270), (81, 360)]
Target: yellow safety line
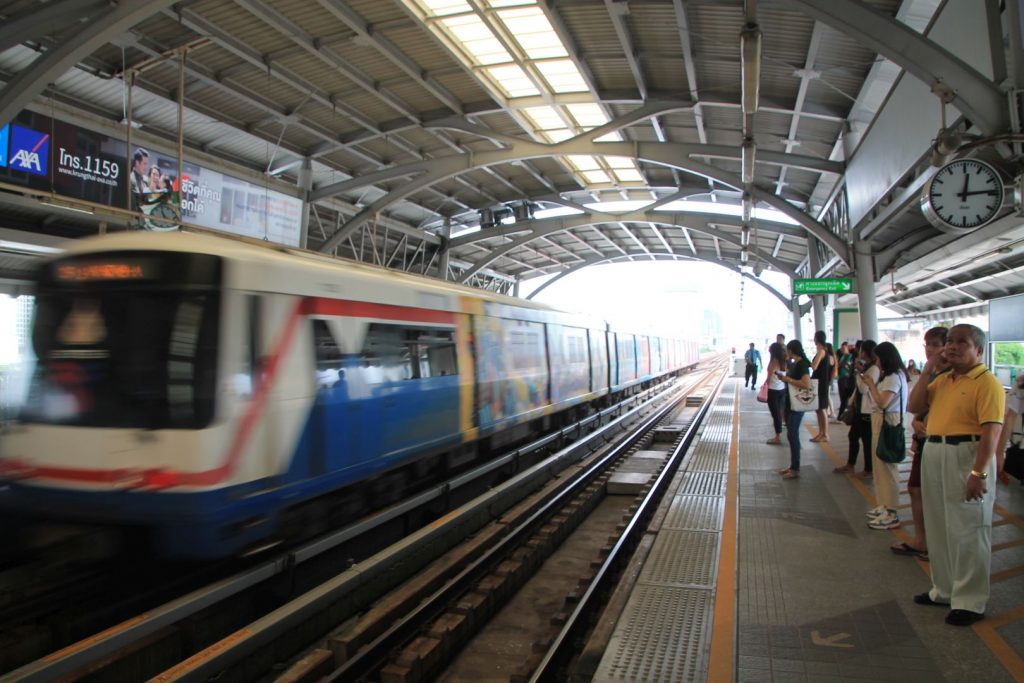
[(986, 629), (723, 632)]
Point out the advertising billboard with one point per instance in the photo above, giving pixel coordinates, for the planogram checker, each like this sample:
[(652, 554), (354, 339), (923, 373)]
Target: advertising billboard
[(46, 154)]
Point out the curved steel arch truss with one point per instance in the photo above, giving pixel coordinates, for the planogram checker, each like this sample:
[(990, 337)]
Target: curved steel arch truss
[(597, 260), (538, 229), (678, 156)]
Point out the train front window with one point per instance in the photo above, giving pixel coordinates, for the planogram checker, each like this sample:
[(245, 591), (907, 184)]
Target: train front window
[(116, 354)]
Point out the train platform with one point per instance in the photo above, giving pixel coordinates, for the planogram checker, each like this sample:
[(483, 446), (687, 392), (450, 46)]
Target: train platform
[(751, 578)]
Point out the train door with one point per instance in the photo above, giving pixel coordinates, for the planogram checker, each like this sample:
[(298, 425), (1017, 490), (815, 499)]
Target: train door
[(336, 427)]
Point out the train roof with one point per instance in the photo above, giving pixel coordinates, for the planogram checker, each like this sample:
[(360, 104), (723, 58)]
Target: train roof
[(280, 256)]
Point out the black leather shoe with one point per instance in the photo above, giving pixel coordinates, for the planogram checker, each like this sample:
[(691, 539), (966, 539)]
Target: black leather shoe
[(926, 599), (963, 617)]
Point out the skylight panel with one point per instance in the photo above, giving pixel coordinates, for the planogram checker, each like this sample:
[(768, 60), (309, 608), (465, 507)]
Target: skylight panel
[(628, 175), (512, 80), (619, 162), (562, 76), (596, 177), (440, 8), (583, 162), (477, 39), (533, 31), (545, 118), (559, 134), (588, 115), (512, 3)]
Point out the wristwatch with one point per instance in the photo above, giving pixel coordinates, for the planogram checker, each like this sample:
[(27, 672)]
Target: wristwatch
[(979, 475)]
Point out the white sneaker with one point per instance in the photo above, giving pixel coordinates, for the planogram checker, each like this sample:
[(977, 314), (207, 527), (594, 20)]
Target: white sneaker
[(875, 512), (887, 521)]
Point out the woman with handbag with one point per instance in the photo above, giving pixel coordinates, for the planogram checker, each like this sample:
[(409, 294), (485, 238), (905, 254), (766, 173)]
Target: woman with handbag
[(800, 398), (1012, 463), (889, 396), (821, 368), (776, 389)]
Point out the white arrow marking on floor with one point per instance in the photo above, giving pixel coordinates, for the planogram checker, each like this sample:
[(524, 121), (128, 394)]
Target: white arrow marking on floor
[(831, 641)]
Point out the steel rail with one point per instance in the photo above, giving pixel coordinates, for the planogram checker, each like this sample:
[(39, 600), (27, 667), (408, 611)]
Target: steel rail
[(244, 642), (104, 645)]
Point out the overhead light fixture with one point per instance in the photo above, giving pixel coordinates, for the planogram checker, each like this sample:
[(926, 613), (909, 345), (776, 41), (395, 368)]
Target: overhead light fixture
[(748, 152), (748, 207), (750, 53), (899, 288), (744, 255), (67, 207), (745, 235)]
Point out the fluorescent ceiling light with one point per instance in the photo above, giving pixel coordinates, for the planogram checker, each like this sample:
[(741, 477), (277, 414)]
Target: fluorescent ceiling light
[(67, 207)]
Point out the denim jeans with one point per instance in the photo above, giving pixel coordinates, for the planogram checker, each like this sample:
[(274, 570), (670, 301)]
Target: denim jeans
[(793, 420)]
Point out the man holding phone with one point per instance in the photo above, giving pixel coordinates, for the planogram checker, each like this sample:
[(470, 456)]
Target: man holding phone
[(965, 403)]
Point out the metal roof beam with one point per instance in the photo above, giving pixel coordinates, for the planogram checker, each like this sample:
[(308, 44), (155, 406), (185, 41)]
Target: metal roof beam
[(56, 61), (976, 96), (47, 19)]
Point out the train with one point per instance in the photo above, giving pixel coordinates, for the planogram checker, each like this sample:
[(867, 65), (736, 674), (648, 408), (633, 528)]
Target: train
[(215, 393)]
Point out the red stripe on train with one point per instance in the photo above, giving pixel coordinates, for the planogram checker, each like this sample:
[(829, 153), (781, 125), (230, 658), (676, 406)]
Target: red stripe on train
[(159, 478)]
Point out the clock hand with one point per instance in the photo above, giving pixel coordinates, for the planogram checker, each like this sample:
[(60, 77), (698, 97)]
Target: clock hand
[(967, 194), (963, 193)]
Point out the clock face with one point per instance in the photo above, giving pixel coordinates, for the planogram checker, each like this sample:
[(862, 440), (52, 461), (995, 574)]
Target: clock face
[(965, 194)]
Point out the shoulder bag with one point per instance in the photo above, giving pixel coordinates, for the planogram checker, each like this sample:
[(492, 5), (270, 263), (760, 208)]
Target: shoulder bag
[(803, 400), (1013, 464), (762, 394), (892, 442)]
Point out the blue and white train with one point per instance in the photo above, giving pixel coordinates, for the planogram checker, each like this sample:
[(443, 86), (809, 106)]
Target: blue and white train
[(206, 390)]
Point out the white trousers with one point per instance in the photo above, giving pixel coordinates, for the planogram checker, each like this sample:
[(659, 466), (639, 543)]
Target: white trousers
[(885, 474), (959, 532)]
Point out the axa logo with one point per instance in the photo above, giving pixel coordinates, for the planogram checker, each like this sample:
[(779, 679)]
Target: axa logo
[(30, 150)]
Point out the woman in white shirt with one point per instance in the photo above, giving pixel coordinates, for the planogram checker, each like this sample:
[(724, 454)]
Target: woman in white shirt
[(888, 403), (776, 389)]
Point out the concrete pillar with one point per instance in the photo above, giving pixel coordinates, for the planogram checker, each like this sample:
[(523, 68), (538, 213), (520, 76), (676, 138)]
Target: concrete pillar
[(864, 268), (306, 183), (515, 288), (446, 234), (796, 318), (817, 302)]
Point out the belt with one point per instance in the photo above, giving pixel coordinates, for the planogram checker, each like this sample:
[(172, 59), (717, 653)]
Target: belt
[(954, 439)]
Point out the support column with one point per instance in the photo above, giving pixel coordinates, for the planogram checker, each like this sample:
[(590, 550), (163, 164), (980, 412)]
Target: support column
[(306, 183), (446, 235), (864, 265), (817, 302), (515, 288), (796, 318)]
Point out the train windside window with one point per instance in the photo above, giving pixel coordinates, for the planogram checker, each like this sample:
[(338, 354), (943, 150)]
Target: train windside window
[(328, 356)]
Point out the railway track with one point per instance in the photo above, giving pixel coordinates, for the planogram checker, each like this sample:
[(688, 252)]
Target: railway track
[(244, 626)]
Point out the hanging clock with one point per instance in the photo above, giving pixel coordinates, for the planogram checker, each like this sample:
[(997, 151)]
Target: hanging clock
[(963, 195)]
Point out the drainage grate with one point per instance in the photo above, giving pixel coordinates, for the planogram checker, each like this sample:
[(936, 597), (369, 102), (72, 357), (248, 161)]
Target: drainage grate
[(664, 638)]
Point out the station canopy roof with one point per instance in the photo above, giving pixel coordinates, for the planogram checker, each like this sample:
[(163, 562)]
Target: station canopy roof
[(529, 137)]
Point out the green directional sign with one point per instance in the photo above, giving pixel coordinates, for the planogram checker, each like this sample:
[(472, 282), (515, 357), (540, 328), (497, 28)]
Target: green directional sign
[(823, 285)]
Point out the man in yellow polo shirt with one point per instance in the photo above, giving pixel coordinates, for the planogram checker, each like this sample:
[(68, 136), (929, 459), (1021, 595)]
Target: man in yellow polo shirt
[(965, 412)]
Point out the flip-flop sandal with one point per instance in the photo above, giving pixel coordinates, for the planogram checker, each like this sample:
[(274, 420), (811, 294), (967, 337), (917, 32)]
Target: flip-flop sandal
[(905, 549)]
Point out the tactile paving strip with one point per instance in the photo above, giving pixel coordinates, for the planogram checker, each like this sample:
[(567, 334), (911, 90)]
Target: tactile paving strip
[(659, 636), (681, 557)]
